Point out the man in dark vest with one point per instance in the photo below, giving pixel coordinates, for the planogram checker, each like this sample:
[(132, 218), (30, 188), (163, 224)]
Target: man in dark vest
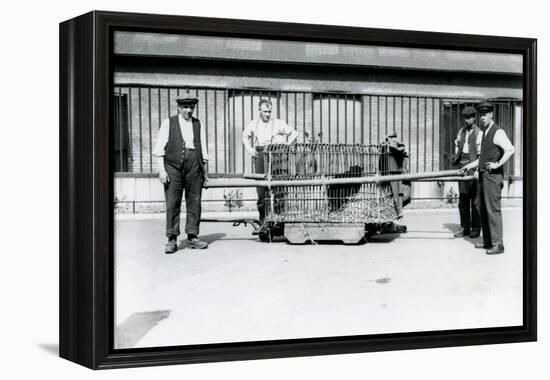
[(496, 149), (181, 155), (467, 148)]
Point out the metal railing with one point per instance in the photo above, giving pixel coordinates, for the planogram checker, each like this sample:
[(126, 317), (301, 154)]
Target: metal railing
[(320, 117), (325, 117)]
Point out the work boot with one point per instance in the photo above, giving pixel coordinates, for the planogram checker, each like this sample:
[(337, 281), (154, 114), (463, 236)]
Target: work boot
[(257, 226), (196, 243), (171, 247), (496, 250), (475, 234), (462, 233), (483, 245)]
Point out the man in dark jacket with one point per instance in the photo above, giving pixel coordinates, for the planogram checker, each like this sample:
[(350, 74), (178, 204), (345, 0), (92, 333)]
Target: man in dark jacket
[(496, 149), (181, 155), (467, 148)]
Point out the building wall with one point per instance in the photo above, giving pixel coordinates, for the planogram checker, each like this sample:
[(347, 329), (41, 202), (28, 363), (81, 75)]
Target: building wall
[(322, 117), (345, 105), (317, 78), (219, 48)]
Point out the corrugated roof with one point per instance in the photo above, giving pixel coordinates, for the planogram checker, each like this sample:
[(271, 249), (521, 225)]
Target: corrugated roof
[(169, 45)]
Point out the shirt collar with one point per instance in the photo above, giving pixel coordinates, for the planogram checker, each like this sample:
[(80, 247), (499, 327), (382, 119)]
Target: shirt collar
[(489, 127), (182, 120)]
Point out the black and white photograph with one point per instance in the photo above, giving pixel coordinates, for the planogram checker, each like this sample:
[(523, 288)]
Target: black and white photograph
[(275, 189), (283, 190)]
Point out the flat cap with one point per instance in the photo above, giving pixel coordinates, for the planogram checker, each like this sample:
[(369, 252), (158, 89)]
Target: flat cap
[(485, 107), (469, 111), (187, 99)]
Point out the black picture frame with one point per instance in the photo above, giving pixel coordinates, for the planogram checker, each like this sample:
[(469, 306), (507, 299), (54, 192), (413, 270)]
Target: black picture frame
[(86, 190)]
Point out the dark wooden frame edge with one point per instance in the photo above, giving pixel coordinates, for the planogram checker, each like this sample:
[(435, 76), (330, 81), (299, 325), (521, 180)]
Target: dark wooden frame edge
[(86, 221)]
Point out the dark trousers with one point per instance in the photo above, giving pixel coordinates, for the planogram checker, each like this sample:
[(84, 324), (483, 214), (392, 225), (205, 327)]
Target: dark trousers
[(262, 191), (488, 200), (189, 178), (467, 194)]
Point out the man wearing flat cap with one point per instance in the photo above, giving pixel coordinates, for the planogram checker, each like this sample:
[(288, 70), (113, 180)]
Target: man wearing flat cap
[(259, 133), (467, 148), (496, 149), (182, 155)]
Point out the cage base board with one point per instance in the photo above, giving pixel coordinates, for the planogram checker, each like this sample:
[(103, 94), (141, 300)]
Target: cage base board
[(348, 233)]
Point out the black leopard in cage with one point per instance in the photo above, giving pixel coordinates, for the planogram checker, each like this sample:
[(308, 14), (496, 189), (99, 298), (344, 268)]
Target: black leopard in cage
[(339, 195)]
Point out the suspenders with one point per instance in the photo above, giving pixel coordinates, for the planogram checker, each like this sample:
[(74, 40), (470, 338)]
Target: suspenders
[(255, 135)]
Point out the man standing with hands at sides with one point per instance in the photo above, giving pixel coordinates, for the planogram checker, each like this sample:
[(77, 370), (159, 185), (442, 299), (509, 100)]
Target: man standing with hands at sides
[(259, 133), (496, 149), (181, 155), (467, 148)]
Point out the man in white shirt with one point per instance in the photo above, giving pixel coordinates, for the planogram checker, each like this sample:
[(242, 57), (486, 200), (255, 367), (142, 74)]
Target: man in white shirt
[(260, 132), (467, 148), (496, 149), (182, 155)]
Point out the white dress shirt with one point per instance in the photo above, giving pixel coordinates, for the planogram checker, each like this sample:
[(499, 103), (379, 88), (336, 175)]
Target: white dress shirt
[(466, 147), (275, 131), (501, 139)]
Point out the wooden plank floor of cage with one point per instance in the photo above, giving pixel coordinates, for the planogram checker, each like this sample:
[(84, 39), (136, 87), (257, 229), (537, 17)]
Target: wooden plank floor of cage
[(348, 233)]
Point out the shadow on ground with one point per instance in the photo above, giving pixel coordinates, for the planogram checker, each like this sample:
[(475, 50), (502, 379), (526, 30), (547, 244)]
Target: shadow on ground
[(210, 238), (384, 238), (429, 231), (377, 239), (52, 348), (453, 227), (129, 332), (326, 242)]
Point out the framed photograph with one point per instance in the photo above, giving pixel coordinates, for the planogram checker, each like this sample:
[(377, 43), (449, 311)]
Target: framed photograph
[(235, 189)]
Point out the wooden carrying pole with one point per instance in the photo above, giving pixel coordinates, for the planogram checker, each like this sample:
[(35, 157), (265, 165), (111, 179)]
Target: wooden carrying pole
[(466, 178), (241, 182)]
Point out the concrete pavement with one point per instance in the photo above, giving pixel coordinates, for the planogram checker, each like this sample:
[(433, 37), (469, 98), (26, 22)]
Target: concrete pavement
[(240, 289)]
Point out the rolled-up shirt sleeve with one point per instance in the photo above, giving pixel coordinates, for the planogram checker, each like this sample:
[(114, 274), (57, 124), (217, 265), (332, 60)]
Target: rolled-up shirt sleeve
[(247, 134), (288, 131), (457, 140), (162, 139), (204, 145), (502, 141), (285, 127)]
